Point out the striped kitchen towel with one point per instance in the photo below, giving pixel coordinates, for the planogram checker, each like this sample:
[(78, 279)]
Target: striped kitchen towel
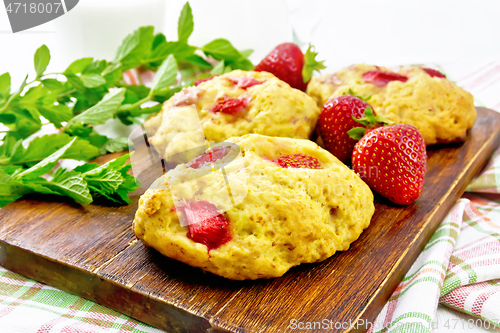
[(460, 266)]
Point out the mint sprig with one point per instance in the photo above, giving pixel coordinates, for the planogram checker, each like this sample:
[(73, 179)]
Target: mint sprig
[(84, 184), (90, 92)]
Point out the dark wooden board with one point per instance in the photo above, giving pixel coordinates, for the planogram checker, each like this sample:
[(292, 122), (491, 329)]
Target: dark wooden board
[(91, 251)]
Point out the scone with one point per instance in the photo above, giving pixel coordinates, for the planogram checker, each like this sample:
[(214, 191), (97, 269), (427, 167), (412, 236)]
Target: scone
[(254, 207), (233, 104), (424, 98)]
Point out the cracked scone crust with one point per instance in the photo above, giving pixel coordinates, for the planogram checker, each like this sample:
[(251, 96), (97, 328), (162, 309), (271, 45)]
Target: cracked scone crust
[(439, 109), (274, 109), (286, 217)]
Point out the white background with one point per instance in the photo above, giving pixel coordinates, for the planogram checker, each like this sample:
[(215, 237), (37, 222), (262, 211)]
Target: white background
[(382, 32)]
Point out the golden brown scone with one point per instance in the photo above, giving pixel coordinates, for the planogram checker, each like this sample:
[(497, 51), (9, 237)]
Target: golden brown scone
[(281, 216), (439, 109), (267, 105)]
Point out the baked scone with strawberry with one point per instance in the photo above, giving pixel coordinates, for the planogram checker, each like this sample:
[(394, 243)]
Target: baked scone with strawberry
[(422, 97), (233, 104), (255, 206)]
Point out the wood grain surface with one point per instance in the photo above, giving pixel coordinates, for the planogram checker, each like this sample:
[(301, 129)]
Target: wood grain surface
[(91, 251)]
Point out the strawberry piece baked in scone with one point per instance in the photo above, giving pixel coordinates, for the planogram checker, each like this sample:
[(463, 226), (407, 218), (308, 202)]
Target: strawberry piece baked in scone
[(422, 97), (254, 206), (233, 104)]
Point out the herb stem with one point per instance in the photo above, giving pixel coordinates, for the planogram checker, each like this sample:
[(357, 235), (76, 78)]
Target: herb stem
[(138, 103), (53, 74), (67, 93), (16, 94)]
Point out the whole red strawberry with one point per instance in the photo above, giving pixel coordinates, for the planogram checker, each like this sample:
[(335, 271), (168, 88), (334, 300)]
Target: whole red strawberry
[(206, 225), (392, 161), (288, 63), (336, 120)]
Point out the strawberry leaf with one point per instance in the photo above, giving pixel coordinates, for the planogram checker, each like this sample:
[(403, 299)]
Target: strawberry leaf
[(311, 64), (357, 133), (353, 93), (370, 120)]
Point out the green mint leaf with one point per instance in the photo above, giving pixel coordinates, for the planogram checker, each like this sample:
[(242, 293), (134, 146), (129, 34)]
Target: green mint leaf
[(228, 69), (92, 80), (34, 95), (25, 123), (221, 49), (78, 66), (115, 145), (53, 84), (116, 164), (140, 91), (110, 180), (129, 185), (76, 82), (56, 113), (243, 64), (246, 53), (185, 24), (106, 182), (311, 64), (7, 118), (45, 165), (134, 48), (198, 61), (9, 147), (165, 76), (158, 40), (70, 184), (97, 140), (42, 58), (218, 69), (95, 67), (10, 189), (38, 101), (114, 67), (33, 111), (5, 83), (130, 98), (39, 185), (180, 50), (356, 133), (102, 111)]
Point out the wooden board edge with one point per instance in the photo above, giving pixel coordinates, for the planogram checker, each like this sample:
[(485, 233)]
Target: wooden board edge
[(386, 288), (112, 294)]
